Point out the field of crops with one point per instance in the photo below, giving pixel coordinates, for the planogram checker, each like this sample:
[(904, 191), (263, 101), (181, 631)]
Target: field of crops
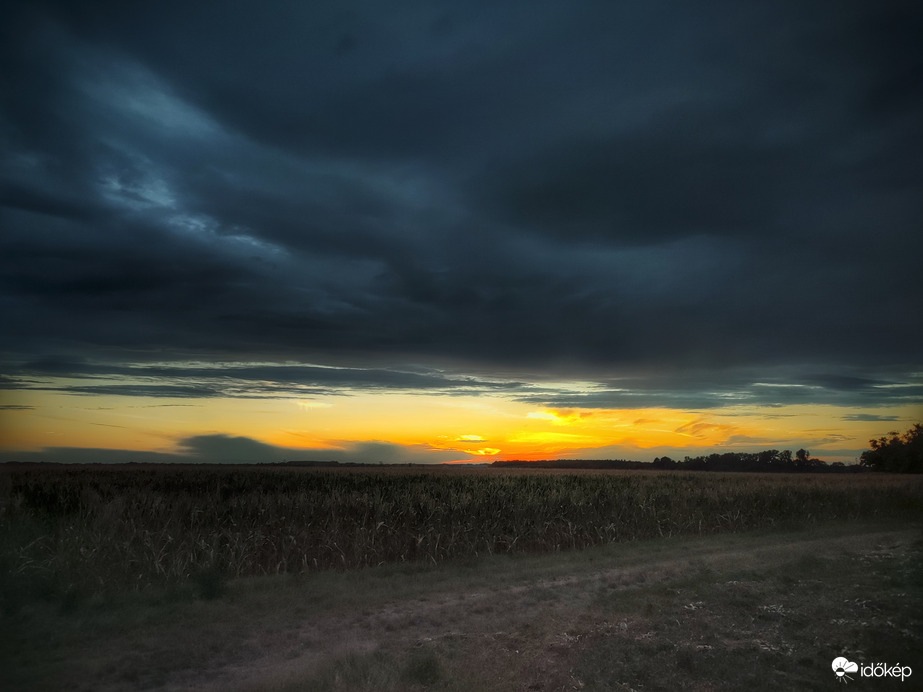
[(95, 529)]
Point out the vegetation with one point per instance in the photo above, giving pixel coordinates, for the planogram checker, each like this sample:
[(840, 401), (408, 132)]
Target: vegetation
[(759, 610), (68, 532), (767, 461), (896, 453)]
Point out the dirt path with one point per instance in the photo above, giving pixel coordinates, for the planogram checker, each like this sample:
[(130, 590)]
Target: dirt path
[(535, 632)]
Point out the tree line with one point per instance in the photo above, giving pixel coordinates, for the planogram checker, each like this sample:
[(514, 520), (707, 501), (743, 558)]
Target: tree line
[(895, 453), (766, 461)]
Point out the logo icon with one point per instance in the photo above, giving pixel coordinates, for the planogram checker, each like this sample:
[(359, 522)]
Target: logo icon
[(841, 666)]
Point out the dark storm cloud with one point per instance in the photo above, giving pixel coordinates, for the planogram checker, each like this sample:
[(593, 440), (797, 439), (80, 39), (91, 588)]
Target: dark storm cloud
[(231, 449), (687, 388), (198, 380), (151, 390), (505, 187), (702, 390)]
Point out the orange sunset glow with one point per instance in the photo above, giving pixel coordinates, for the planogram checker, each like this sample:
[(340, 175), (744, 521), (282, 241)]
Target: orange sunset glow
[(418, 427)]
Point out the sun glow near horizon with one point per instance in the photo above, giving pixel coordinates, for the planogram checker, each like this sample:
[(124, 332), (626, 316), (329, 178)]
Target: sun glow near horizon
[(431, 427)]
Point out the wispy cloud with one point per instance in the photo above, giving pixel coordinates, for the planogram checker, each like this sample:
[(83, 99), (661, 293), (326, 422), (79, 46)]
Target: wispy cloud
[(869, 417)]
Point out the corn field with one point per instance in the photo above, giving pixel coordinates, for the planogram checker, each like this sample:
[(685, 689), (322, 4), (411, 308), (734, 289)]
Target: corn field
[(99, 529)]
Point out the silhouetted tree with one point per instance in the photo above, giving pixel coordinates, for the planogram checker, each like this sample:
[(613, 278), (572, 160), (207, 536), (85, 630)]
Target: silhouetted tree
[(663, 463), (896, 453), (804, 462), (784, 462)]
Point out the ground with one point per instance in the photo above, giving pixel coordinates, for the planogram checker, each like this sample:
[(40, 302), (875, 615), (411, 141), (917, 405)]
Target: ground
[(767, 610)]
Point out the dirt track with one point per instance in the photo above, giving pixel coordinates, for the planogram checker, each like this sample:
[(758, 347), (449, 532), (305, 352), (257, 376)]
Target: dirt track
[(530, 632)]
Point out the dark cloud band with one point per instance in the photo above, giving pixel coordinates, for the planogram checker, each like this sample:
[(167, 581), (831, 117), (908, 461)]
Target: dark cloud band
[(536, 189)]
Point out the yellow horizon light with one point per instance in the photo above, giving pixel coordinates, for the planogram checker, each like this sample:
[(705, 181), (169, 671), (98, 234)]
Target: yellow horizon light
[(307, 405), (35, 419)]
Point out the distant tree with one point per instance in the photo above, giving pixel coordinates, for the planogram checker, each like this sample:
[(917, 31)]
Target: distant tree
[(804, 461), (896, 453), (784, 462), (663, 463)]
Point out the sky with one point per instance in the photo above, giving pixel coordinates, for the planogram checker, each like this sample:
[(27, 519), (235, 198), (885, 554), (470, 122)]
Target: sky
[(437, 232)]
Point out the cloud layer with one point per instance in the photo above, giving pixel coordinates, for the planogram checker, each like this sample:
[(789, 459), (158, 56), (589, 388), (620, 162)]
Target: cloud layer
[(679, 205), (236, 449)]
